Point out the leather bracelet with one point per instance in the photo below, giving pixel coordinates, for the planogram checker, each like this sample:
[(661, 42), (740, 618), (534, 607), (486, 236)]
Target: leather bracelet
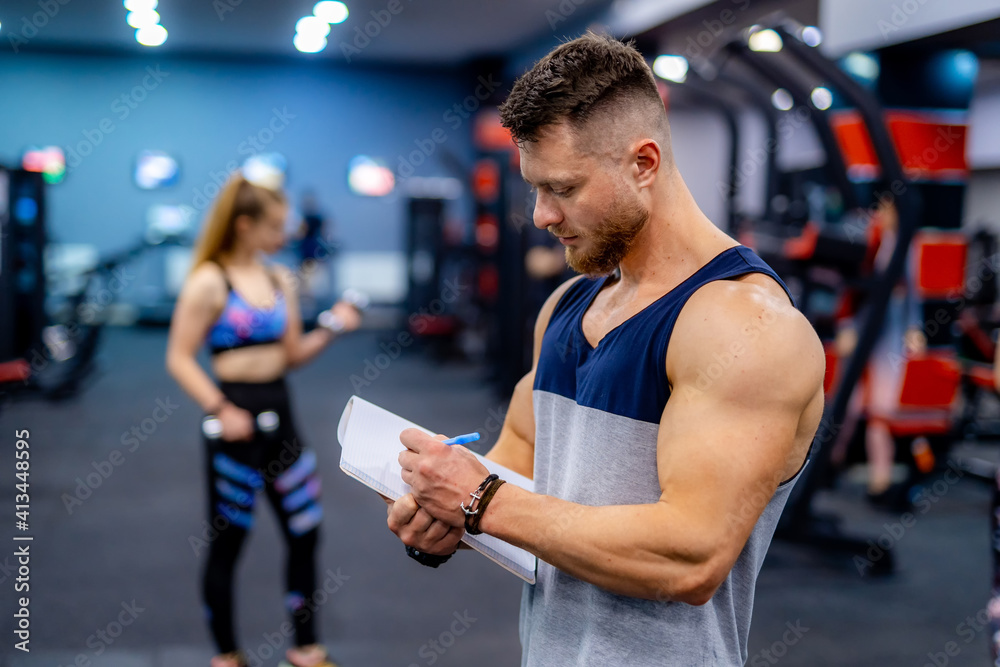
[(472, 522), (476, 495), (430, 560)]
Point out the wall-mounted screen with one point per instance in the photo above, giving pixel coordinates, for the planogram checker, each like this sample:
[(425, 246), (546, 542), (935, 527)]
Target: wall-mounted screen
[(266, 169), (155, 170), (48, 161), (370, 177), (164, 221)]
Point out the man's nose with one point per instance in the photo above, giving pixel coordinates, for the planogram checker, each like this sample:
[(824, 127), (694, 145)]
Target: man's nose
[(546, 213)]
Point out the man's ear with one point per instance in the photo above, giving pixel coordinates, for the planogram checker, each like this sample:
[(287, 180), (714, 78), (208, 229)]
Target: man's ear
[(647, 162)]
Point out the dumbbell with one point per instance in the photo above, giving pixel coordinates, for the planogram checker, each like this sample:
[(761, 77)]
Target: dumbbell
[(266, 424), (328, 320)]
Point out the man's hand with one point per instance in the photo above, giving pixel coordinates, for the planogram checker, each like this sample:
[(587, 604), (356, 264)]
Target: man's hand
[(440, 476), (418, 529)]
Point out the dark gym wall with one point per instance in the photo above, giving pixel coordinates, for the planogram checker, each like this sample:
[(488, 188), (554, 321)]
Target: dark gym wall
[(203, 112)]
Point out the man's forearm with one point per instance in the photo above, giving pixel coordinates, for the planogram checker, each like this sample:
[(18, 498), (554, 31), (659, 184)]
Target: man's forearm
[(645, 551)]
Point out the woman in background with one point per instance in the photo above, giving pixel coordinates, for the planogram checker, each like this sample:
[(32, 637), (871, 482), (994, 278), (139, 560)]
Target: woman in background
[(248, 313), (901, 338)]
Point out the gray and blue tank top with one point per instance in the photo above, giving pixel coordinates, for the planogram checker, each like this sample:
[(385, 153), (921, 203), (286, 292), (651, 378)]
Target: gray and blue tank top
[(597, 412)]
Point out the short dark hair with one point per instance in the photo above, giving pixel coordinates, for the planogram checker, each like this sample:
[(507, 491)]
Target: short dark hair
[(573, 81)]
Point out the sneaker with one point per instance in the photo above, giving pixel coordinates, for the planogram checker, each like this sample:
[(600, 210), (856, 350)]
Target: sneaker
[(314, 655), (234, 659)]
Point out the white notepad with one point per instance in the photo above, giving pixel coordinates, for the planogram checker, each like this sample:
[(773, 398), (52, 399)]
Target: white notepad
[(370, 447)]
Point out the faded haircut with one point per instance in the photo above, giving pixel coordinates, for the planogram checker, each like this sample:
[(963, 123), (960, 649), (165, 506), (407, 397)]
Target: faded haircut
[(588, 77)]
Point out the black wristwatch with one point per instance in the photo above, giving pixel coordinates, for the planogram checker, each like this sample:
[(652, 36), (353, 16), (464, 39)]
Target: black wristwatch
[(430, 560)]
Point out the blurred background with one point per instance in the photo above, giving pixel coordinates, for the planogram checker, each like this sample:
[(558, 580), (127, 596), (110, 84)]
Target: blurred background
[(854, 144)]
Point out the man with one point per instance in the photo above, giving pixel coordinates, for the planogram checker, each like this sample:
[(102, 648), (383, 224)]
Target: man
[(650, 517)]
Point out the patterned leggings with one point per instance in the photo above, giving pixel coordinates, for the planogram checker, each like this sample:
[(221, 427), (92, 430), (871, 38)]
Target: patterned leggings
[(280, 465)]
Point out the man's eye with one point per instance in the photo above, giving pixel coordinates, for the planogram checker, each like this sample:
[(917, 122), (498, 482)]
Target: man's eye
[(562, 193)]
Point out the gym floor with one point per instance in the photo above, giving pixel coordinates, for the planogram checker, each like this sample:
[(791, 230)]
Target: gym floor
[(114, 577)]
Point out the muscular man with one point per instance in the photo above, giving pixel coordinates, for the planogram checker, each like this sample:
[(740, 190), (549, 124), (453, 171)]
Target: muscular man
[(673, 399)]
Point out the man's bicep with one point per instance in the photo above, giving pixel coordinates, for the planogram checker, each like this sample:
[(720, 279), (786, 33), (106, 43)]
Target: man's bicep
[(730, 431), (721, 458), (718, 465), (515, 447)]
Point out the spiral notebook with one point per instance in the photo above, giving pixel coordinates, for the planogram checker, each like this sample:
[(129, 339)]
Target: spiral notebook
[(370, 447)]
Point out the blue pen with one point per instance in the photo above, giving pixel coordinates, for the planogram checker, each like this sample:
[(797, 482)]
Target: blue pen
[(462, 439)]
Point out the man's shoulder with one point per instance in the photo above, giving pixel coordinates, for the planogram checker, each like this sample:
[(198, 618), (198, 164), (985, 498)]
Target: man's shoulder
[(731, 301), (749, 324)]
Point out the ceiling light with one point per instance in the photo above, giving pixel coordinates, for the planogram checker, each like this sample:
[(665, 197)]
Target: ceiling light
[(139, 5), (811, 36), (151, 35), (309, 42), (142, 18), (310, 25), (671, 68), (765, 41), (331, 11), (782, 99), (821, 98)]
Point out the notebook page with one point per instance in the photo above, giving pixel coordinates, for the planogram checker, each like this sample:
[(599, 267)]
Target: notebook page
[(369, 437)]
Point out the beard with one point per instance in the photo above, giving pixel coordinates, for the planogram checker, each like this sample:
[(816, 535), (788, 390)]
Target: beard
[(610, 242)]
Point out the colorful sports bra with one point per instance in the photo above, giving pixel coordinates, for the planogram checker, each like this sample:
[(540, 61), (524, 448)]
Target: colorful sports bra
[(243, 325)]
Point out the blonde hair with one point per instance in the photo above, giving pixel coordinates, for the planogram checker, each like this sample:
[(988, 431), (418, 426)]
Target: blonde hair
[(238, 197)]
